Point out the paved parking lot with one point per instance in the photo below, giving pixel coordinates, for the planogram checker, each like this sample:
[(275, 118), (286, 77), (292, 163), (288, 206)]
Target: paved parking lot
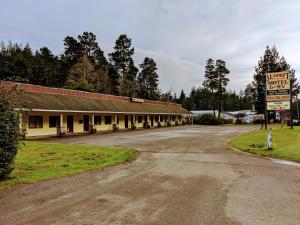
[(184, 175)]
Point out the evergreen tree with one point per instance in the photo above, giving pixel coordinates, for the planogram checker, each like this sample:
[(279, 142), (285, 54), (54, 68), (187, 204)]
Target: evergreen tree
[(92, 50), (73, 50), (210, 82), (46, 70), (121, 60), (222, 81), (269, 62), (113, 79), (182, 96), (148, 80)]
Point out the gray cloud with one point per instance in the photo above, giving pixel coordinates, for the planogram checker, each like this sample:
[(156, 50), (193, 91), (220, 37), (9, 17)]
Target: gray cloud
[(180, 35)]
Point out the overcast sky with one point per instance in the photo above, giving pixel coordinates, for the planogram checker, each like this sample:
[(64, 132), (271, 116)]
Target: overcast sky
[(179, 34)]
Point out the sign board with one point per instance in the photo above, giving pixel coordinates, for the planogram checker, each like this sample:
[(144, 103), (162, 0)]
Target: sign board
[(278, 81), (278, 98), (278, 105), (278, 91)]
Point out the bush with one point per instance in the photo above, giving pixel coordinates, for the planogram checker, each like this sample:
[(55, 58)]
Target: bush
[(207, 119), (10, 135)]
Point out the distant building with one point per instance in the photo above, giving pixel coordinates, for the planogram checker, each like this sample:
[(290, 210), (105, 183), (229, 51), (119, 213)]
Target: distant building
[(55, 111), (224, 115)]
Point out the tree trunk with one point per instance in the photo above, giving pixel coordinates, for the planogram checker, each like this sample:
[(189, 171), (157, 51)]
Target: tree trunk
[(213, 102)]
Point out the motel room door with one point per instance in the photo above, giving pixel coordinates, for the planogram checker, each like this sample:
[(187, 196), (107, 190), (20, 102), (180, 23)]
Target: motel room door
[(126, 121), (86, 123), (69, 123)]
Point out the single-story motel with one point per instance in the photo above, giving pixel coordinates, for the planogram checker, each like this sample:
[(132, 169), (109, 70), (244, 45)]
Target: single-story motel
[(59, 112)]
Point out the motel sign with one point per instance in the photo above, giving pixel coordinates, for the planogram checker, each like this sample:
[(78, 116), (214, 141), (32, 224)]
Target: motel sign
[(278, 93)]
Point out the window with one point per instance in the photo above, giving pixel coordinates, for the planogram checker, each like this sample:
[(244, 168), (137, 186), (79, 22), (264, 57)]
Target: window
[(140, 119), (54, 121), (107, 119), (97, 120), (35, 121), (156, 119), (173, 118), (117, 119)]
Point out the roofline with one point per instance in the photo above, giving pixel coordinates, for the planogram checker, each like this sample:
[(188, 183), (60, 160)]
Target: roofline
[(33, 88), (108, 112)]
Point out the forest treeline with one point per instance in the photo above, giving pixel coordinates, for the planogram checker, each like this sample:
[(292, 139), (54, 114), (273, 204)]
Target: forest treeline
[(82, 65)]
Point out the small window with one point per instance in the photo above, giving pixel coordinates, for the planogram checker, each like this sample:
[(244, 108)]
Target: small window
[(161, 119), (35, 121), (140, 119), (156, 119), (54, 121), (107, 119), (97, 120)]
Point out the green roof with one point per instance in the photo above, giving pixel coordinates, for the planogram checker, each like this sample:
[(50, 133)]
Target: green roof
[(57, 102)]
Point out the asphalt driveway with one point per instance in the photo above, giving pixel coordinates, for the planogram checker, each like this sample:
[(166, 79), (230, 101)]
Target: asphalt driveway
[(184, 175)]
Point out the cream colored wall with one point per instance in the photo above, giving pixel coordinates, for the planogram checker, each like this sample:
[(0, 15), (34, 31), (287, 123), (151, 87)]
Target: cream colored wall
[(103, 126), (122, 122), (137, 124), (45, 131), (78, 127)]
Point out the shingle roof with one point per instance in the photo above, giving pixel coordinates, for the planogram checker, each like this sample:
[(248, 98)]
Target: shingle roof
[(71, 103), (53, 99)]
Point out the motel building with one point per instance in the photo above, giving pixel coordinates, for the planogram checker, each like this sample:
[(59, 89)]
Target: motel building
[(59, 112)]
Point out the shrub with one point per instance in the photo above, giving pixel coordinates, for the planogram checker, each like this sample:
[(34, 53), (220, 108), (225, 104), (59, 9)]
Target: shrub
[(207, 119), (9, 138)]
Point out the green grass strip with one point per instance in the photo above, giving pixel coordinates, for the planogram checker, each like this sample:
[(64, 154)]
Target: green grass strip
[(37, 161), (286, 143)]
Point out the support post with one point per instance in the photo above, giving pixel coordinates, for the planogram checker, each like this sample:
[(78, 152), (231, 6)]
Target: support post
[(60, 129), (20, 121), (270, 139), (61, 120), (291, 111), (93, 119)]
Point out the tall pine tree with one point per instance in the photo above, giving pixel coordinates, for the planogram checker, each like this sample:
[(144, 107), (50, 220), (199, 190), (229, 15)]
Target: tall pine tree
[(210, 83), (148, 80), (269, 62), (222, 82), (122, 62)]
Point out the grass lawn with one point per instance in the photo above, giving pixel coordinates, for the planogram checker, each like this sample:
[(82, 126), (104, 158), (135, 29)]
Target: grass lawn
[(38, 161), (286, 143)]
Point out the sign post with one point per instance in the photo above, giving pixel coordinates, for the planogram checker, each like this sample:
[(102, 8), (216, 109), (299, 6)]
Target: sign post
[(270, 139)]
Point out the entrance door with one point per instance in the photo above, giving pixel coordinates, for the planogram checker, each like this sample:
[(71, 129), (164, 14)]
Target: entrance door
[(126, 121), (152, 121), (69, 123), (86, 122)]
